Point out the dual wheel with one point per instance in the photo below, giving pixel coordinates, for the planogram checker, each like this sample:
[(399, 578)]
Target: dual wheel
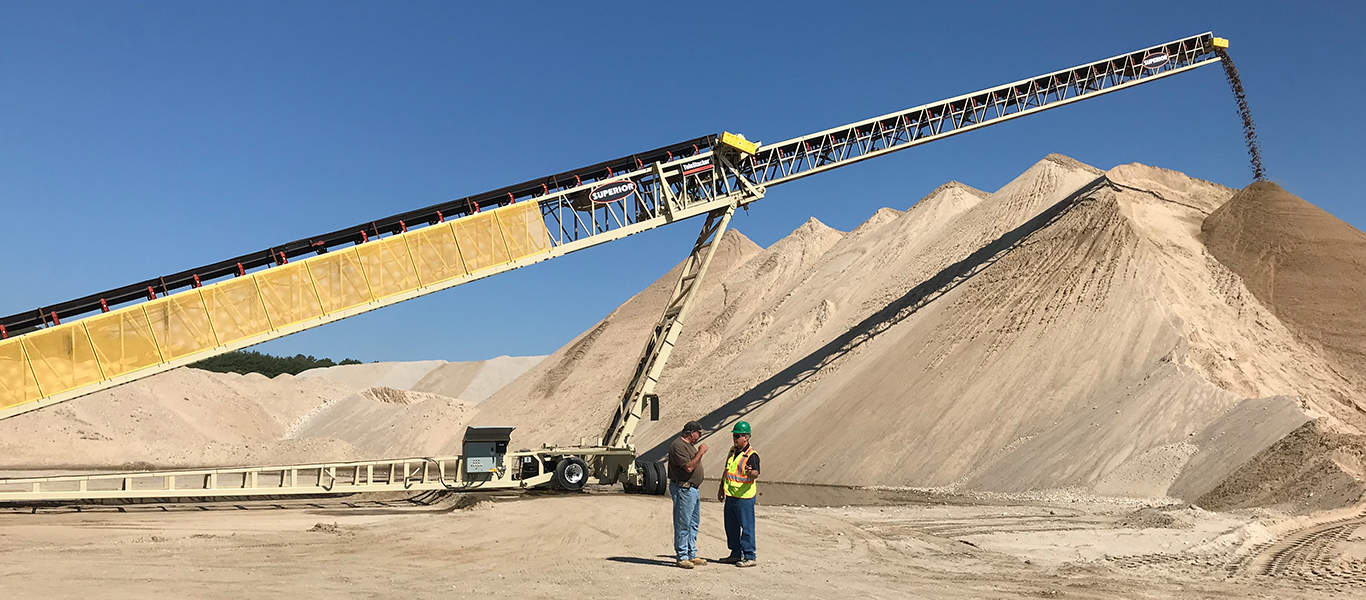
[(571, 474), (654, 479)]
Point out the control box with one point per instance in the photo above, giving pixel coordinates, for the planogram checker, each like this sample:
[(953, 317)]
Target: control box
[(484, 448)]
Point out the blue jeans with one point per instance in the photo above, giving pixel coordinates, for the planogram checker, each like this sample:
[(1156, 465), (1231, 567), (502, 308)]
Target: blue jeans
[(687, 515), (740, 527)]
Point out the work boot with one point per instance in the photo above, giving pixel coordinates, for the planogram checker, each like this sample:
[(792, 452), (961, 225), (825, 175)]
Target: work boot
[(685, 564), (699, 561), (729, 560), (748, 562)]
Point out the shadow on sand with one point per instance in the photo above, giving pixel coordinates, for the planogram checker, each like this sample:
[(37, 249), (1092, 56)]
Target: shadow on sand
[(898, 310), (662, 561)]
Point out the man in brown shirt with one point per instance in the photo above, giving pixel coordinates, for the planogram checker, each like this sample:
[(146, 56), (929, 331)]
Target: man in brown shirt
[(685, 477)]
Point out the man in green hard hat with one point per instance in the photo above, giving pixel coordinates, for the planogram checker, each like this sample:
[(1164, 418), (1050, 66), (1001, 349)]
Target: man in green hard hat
[(738, 489)]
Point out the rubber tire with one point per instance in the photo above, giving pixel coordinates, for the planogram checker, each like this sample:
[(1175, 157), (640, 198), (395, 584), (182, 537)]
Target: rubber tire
[(649, 475), (626, 484), (564, 480), (661, 479)]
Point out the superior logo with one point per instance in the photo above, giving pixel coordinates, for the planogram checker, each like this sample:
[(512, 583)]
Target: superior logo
[(608, 193), (696, 166), (1155, 60)]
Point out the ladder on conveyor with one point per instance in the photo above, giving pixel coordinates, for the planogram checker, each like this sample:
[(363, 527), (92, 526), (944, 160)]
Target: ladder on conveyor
[(65, 350)]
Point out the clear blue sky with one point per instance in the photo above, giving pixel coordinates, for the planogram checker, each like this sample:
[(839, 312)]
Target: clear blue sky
[(142, 138)]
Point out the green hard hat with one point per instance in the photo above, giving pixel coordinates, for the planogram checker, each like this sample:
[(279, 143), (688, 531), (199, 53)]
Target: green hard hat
[(741, 427)]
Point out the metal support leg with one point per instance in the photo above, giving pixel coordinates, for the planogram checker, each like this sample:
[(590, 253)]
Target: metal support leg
[(666, 330)]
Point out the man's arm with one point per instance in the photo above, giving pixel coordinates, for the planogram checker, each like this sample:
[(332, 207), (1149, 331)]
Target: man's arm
[(696, 458), (752, 466)]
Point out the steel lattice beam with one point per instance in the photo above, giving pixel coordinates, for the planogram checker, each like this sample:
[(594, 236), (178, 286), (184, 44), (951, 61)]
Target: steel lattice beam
[(824, 150)]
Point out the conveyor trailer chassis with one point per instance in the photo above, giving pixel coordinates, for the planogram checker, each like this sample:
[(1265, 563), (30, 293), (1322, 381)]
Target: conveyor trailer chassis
[(563, 468)]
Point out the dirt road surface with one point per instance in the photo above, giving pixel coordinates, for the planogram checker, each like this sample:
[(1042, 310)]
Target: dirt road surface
[(610, 545)]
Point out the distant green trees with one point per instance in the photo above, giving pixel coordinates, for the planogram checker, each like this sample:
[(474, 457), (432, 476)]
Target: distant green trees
[(250, 361)]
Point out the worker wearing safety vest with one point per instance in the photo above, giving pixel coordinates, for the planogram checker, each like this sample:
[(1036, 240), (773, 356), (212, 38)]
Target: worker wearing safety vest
[(738, 489)]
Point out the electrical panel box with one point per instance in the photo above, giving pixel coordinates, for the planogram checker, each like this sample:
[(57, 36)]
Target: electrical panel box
[(484, 448)]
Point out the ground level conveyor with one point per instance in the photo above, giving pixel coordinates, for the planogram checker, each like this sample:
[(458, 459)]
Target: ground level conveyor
[(58, 352), (486, 465)]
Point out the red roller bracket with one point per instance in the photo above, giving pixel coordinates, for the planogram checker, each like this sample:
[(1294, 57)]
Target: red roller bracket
[(284, 260), (151, 293), (476, 205), (544, 190), (240, 271), (4, 335), (104, 306), (511, 199), (197, 283), (55, 320), (403, 226), (364, 237)]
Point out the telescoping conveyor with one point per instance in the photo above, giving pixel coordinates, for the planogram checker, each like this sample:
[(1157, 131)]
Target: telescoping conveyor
[(65, 350)]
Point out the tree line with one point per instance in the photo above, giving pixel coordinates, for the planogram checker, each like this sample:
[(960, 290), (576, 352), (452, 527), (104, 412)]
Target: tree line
[(251, 361)]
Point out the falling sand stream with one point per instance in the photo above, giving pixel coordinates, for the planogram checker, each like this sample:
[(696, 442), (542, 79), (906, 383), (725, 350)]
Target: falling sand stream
[(1235, 83)]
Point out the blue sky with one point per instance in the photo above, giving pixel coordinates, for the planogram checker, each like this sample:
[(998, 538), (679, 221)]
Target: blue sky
[(142, 138)]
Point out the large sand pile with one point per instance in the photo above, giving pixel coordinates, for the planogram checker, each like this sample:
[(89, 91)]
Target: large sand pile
[(191, 418), (1068, 330), (184, 417), (1304, 264)]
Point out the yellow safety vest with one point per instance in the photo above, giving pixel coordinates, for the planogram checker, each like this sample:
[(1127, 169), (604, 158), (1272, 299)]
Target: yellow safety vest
[(737, 483)]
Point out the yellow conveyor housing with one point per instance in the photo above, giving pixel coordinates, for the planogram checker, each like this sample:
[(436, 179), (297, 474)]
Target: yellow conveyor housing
[(58, 363)]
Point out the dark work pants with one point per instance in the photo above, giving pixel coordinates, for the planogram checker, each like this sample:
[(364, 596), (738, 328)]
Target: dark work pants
[(739, 513)]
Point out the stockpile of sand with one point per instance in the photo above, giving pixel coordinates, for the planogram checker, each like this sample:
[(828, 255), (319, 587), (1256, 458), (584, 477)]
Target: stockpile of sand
[(184, 417), (1066, 331), (1309, 269), (191, 418), (1304, 264)]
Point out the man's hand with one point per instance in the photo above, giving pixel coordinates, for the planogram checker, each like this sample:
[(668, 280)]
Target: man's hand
[(696, 458), (721, 492)]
